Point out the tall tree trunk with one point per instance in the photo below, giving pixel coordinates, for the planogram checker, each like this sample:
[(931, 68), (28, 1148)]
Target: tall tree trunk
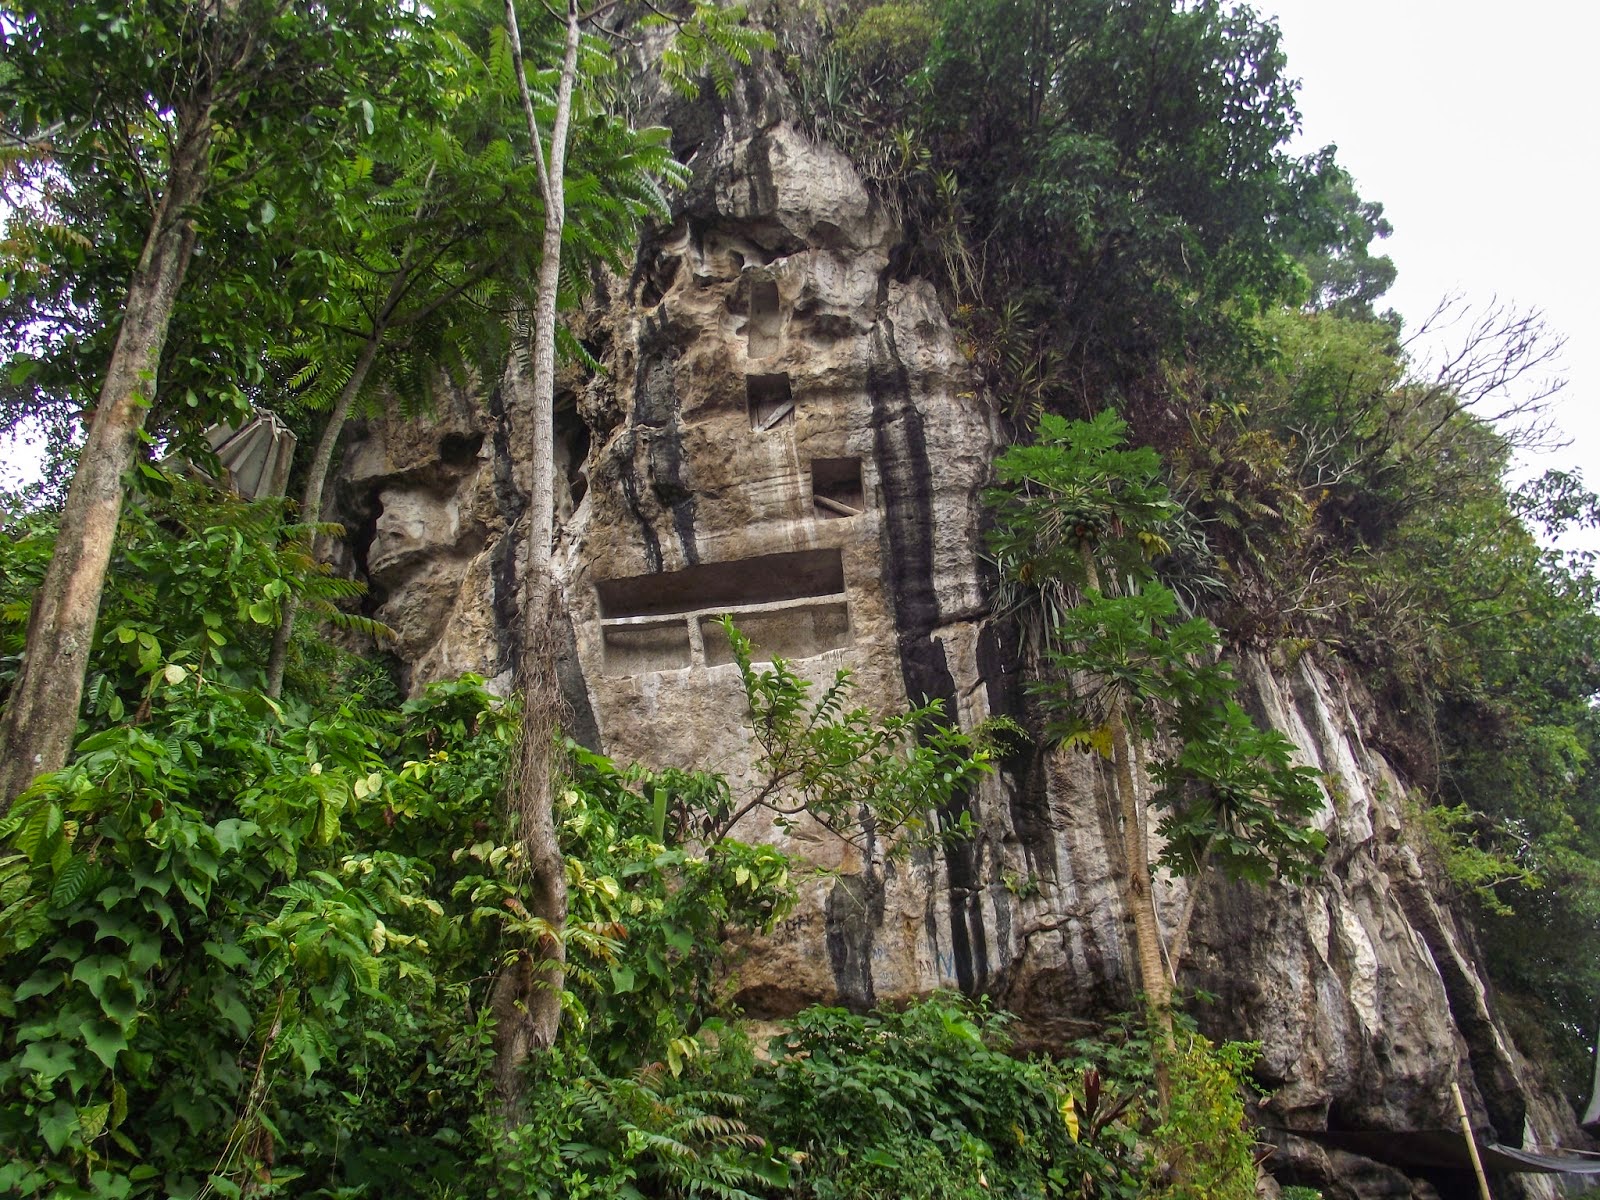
[(1153, 975), (42, 716), (316, 481), (527, 998)]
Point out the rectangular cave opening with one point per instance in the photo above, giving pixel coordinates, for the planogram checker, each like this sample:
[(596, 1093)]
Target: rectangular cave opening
[(790, 605), (770, 399), (637, 648), (836, 488), (721, 586), (800, 631), (761, 332)]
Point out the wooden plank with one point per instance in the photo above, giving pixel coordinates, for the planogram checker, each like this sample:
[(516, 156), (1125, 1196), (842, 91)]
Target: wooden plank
[(834, 506), (782, 411)]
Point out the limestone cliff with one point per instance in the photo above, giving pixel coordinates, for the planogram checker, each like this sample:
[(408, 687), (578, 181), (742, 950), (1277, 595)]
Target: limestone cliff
[(787, 429)]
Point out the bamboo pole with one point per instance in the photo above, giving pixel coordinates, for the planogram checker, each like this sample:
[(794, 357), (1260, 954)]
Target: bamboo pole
[(1472, 1143)]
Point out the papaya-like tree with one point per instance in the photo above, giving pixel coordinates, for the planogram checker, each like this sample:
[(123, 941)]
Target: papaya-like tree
[(1079, 508)]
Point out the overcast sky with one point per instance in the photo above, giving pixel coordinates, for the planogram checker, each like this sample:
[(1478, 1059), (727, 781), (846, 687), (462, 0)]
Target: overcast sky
[(1475, 125)]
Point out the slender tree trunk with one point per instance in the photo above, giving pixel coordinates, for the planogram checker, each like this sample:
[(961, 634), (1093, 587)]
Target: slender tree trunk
[(42, 716), (317, 480), (1141, 892), (1180, 935), (527, 998)]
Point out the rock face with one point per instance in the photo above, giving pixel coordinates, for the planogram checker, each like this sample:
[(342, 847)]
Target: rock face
[(788, 430)]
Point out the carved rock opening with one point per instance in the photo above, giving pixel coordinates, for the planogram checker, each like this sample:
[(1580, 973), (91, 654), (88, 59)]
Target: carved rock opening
[(792, 631), (765, 320), (770, 399), (790, 605), (836, 488), (636, 647)]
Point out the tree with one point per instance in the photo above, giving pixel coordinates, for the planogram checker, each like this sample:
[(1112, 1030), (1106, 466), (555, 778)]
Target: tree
[(1078, 506), (859, 775), (528, 997), (1124, 165), (408, 255), (164, 101)]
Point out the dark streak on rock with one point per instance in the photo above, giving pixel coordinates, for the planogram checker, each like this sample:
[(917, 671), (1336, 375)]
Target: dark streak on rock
[(853, 912), (907, 487), (655, 409), (1022, 766), (628, 481), (1494, 1074)]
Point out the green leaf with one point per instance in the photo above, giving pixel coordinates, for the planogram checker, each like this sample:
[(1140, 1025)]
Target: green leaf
[(92, 1120), (232, 833), (58, 1125), (105, 1040), (37, 835), (232, 1010), (94, 971), (51, 1059), (41, 983), (71, 882)]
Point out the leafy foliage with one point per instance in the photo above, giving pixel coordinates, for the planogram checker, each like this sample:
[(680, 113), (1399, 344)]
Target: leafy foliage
[(1229, 792), (196, 586), (928, 1103), (96, 106), (1107, 183), (854, 772), (210, 926)]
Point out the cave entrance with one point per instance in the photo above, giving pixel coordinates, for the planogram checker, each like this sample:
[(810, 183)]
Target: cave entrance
[(836, 489), (770, 399), (790, 605)]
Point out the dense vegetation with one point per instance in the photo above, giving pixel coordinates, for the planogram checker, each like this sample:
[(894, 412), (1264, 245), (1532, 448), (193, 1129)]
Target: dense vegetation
[(251, 932), (248, 946), (1104, 191)]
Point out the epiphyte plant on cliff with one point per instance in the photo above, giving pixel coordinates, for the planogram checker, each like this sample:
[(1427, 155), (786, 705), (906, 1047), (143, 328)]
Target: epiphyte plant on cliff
[(1078, 516)]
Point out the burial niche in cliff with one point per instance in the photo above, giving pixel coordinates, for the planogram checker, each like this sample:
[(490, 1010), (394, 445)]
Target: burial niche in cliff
[(789, 605), (836, 489), (761, 330), (770, 399)]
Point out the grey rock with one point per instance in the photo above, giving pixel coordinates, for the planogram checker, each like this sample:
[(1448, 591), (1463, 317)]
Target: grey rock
[(691, 491)]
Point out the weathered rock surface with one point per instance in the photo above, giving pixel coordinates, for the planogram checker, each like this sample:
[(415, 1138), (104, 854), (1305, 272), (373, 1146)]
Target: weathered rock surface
[(788, 430)]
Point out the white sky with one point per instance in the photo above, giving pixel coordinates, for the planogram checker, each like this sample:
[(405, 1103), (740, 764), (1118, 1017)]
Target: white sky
[(1475, 125)]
